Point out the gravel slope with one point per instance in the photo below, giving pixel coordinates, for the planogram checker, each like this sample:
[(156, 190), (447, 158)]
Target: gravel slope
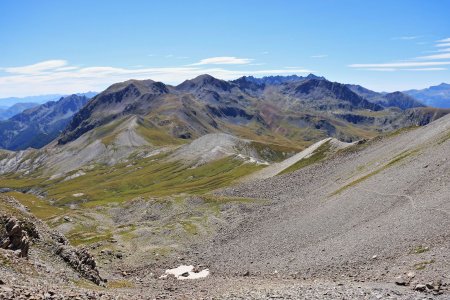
[(276, 168), (372, 223), (379, 214)]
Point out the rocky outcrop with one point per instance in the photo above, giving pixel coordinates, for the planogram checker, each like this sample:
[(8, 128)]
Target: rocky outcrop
[(82, 261), (15, 237), (19, 235)]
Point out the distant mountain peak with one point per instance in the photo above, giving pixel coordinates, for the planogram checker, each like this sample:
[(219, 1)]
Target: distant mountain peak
[(204, 81), (435, 96), (312, 76), (277, 79), (39, 125)]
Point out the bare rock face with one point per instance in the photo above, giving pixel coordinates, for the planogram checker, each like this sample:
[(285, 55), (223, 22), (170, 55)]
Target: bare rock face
[(82, 261), (15, 237)]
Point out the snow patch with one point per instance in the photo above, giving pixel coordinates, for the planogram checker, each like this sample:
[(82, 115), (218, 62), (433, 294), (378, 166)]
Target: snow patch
[(78, 194), (153, 153), (55, 176), (252, 160), (73, 176), (186, 272)]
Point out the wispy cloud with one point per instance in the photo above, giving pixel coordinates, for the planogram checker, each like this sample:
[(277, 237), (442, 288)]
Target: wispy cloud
[(401, 64), (38, 68), (434, 62), (58, 76), (379, 69), (427, 69), (319, 56), (441, 50), (435, 56), (400, 69), (223, 60), (407, 38)]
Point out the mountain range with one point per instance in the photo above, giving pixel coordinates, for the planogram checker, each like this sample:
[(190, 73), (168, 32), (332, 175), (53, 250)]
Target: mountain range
[(395, 99), (286, 110), (302, 108), (41, 99), (39, 125), (8, 112), (436, 96)]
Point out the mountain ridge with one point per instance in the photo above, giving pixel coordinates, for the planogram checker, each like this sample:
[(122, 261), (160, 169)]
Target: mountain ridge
[(436, 96), (38, 126), (8, 112), (206, 104)]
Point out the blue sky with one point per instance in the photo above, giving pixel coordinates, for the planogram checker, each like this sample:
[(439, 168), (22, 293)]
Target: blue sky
[(49, 47)]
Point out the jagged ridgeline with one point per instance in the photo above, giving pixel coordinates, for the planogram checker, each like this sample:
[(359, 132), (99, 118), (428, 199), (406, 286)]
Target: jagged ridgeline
[(280, 114), (283, 109)]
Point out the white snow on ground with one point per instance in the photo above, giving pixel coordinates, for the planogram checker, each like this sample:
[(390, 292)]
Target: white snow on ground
[(54, 176), (77, 174), (78, 194), (155, 152), (253, 160), (181, 272)]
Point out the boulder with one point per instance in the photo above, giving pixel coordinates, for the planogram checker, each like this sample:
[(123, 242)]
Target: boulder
[(15, 237)]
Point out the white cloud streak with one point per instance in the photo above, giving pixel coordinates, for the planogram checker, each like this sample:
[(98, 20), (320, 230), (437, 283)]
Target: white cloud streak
[(442, 50), (401, 65), (435, 56), (427, 69), (319, 56), (57, 76), (420, 63), (407, 38), (223, 60), (37, 68), (399, 69)]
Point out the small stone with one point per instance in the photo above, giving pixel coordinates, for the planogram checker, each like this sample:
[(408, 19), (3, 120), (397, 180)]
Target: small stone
[(185, 274), (420, 287), (411, 274), (401, 281), (374, 257), (246, 274), (430, 286)]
